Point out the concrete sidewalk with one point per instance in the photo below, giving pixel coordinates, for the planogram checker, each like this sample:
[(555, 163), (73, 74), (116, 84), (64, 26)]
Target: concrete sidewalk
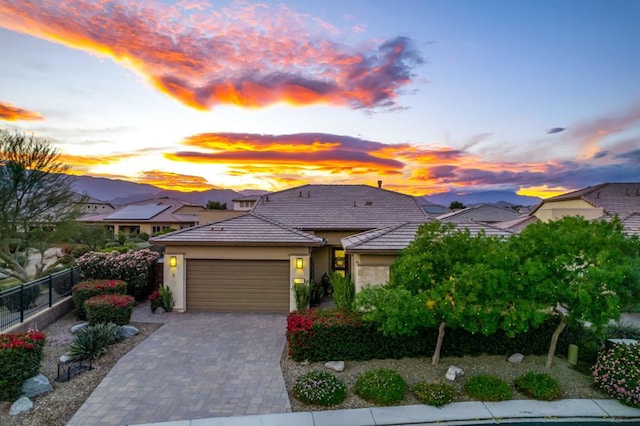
[(459, 413)]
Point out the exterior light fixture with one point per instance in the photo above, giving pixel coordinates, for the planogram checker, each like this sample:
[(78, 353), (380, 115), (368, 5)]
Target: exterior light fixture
[(173, 261), (299, 263)]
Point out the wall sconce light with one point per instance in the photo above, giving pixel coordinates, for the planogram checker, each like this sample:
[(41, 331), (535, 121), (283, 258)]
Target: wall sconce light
[(299, 263), (173, 261), (298, 280)]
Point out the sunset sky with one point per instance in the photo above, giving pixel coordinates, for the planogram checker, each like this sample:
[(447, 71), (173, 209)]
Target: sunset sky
[(538, 97)]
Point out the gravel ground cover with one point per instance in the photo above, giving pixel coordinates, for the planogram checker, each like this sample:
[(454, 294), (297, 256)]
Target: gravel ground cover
[(415, 370), (58, 406)]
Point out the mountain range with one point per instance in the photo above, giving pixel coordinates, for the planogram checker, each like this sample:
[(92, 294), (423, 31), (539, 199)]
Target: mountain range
[(119, 192)]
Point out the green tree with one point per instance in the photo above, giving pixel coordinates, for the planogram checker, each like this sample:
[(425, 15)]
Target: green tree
[(456, 205), (216, 205), (35, 197), (581, 270)]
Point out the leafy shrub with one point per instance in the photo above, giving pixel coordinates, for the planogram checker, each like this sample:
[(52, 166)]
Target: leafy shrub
[(436, 394), (617, 372), (136, 268), (302, 295), (163, 297), (93, 341), (320, 388), (85, 290), (344, 291), (14, 301), (109, 308), (539, 386), (622, 330), (484, 387), (20, 358), (381, 386)]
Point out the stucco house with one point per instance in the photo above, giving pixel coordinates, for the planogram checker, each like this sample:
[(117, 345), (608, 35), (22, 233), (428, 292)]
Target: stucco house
[(593, 202), (485, 213), (150, 216), (250, 262)]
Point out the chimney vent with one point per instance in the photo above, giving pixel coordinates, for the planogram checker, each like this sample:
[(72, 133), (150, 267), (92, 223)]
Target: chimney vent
[(628, 192), (300, 194), (638, 191), (379, 184), (308, 194), (354, 203)]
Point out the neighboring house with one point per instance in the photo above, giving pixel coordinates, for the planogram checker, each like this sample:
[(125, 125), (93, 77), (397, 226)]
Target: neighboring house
[(250, 262), (374, 251), (593, 202), (92, 206), (150, 216), (485, 213), (245, 203), (430, 208), (210, 216)]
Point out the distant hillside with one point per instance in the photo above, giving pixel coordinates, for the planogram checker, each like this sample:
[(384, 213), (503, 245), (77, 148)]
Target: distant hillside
[(501, 198)]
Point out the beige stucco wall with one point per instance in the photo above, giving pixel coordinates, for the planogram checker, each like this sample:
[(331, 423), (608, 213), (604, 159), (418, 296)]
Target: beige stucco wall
[(558, 209), (370, 269), (297, 274), (175, 278)]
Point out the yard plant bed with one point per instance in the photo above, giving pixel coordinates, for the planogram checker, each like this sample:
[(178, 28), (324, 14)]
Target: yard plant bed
[(575, 384), (58, 406)]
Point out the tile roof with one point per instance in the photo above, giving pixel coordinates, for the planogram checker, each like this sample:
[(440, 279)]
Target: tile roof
[(631, 224), (612, 197), (136, 212), (248, 230), (480, 213), (393, 239), (339, 207)]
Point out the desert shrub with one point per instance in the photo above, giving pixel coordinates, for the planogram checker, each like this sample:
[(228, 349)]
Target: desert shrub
[(617, 372), (111, 244), (162, 298), (381, 386), (320, 388), (622, 330), (20, 358), (109, 308), (539, 386), (21, 297), (136, 268), (436, 394), (85, 290), (93, 341), (485, 387), (344, 291), (302, 295)]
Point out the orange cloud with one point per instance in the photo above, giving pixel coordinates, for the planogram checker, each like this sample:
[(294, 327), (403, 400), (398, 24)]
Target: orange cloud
[(10, 112), (174, 181), (82, 164), (246, 55)]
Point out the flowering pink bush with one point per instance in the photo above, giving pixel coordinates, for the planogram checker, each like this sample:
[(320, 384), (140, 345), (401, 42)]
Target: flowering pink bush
[(617, 372), (134, 267)]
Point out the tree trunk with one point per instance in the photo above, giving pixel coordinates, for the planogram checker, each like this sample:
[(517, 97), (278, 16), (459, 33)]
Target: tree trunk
[(554, 341), (436, 353)]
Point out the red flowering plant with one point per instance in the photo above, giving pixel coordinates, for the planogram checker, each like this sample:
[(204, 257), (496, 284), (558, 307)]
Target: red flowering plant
[(109, 308), (85, 290), (154, 298), (20, 358)]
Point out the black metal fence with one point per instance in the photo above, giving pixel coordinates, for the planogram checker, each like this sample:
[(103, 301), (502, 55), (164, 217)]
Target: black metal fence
[(23, 301)]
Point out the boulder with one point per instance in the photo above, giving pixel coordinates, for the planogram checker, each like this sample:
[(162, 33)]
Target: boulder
[(159, 311), (22, 405), (516, 358), (76, 328), (36, 385), (335, 365), (67, 358), (454, 372), (127, 331)]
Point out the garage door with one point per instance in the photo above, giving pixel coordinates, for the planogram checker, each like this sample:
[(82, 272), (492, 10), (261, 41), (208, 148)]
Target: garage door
[(238, 286)]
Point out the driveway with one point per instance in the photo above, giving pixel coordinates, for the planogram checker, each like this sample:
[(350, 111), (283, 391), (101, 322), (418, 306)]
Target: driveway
[(197, 365)]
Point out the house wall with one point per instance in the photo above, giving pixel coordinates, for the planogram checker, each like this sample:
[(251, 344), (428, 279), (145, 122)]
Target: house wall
[(370, 269), (558, 209), (175, 277)]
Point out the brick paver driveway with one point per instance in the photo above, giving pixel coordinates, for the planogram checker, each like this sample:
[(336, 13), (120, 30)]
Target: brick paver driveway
[(196, 365)]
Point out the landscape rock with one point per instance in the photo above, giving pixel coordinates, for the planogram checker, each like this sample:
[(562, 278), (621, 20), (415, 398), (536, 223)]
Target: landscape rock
[(36, 385), (22, 405), (76, 328), (127, 331), (67, 358), (335, 365), (159, 311), (454, 372), (516, 358)]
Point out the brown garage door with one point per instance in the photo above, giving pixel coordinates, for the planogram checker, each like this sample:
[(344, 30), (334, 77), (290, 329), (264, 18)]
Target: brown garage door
[(238, 286)]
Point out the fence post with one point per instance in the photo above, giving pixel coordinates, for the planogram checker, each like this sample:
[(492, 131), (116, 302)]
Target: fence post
[(50, 290), (21, 303)]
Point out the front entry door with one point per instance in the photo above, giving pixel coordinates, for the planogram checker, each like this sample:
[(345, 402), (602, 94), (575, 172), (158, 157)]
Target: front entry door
[(339, 261)]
